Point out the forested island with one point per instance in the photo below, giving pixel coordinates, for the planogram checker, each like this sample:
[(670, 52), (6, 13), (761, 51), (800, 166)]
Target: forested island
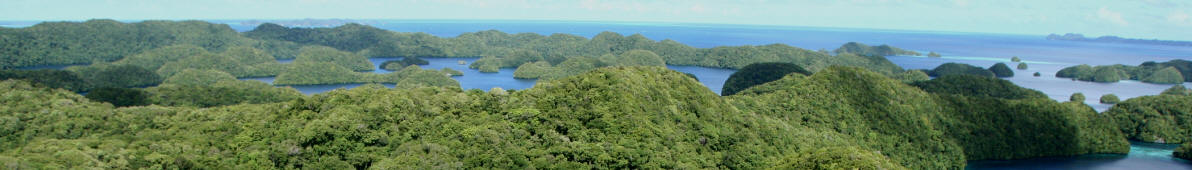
[(604, 102), (1116, 39), (1170, 72)]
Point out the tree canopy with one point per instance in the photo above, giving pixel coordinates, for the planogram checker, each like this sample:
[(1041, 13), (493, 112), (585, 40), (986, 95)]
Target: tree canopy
[(757, 74), (1170, 72), (1001, 70), (959, 68)]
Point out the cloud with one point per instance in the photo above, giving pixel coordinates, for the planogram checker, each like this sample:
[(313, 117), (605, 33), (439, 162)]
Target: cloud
[(1179, 18), (1112, 16)]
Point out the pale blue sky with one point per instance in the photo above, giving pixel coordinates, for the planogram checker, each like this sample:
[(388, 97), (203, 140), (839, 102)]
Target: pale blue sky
[(1162, 19)]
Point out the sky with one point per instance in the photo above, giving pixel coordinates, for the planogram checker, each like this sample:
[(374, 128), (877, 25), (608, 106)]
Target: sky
[(1148, 19)]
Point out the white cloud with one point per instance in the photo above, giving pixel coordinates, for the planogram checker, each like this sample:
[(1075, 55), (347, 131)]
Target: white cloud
[(1179, 18), (1111, 16)]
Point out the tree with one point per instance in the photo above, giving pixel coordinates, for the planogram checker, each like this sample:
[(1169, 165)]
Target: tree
[(958, 68), (1109, 99), (533, 70), (1015, 59), (971, 85), (1001, 70), (1168, 75), (1177, 89), (199, 77), (327, 54), (119, 97), (758, 73), (1022, 66), (1077, 97)]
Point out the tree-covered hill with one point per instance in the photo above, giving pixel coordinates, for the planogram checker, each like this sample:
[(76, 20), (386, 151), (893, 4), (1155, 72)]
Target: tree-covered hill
[(57, 43), (1163, 118), (613, 117), (1170, 72)]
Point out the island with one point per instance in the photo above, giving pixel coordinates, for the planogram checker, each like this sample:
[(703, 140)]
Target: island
[(1116, 39), (1170, 72)]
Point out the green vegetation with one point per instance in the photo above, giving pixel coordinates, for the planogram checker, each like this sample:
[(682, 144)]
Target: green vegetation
[(634, 58), (1077, 97), (207, 88), (934, 55), (1160, 119), (533, 70), (238, 61), (866, 50), (1001, 70), (327, 54), (757, 74), (933, 129), (394, 65), (307, 73), (911, 76), (1171, 72), (48, 78), (58, 43), (1178, 89), (199, 77), (1015, 59), (119, 97), (957, 69), (1168, 75), (1085, 72), (102, 75), (452, 72), (977, 86), (1022, 66), (1184, 151), (414, 76), (1109, 99), (842, 118)]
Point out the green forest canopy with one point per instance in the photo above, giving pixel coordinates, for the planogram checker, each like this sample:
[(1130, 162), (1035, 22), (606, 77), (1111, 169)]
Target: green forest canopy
[(1170, 72), (573, 122)]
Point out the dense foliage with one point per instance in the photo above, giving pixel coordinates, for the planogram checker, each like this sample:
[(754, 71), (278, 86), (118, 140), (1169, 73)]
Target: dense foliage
[(1001, 70), (1177, 89), (1022, 66), (959, 68), (866, 50), (1170, 72), (1160, 119), (757, 74), (394, 65), (618, 117), (1015, 59), (346, 60), (938, 127), (1184, 151), (1077, 97), (102, 75), (48, 78), (206, 88), (977, 86), (57, 43), (1109, 99), (119, 97)]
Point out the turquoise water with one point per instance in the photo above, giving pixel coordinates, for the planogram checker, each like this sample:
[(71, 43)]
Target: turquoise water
[(1143, 156)]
